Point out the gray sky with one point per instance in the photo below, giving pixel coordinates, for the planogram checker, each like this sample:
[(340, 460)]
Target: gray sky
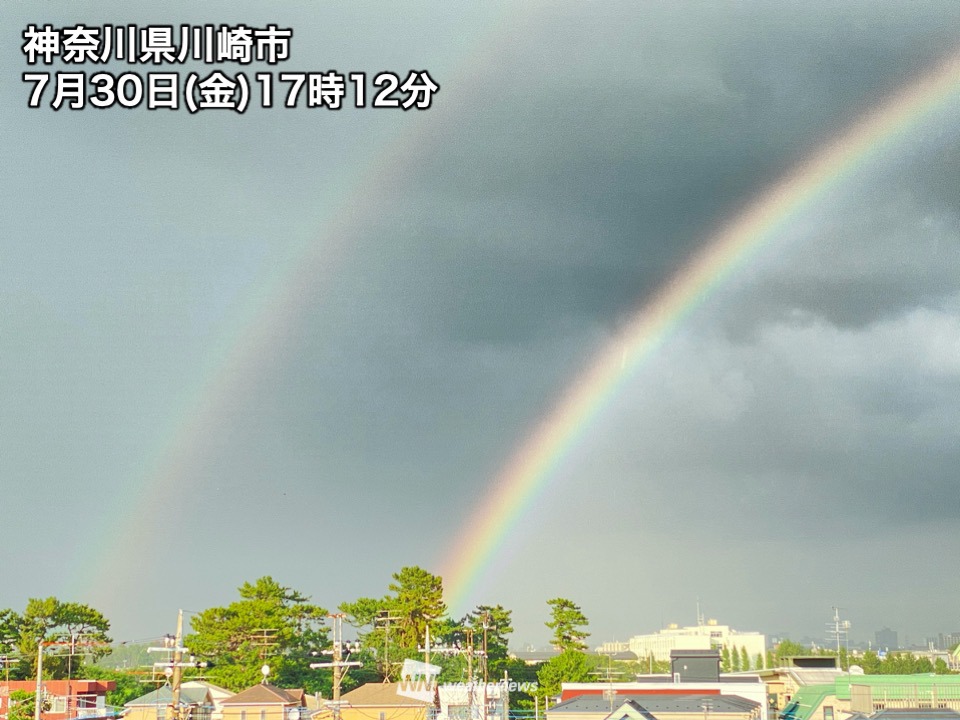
[(302, 342)]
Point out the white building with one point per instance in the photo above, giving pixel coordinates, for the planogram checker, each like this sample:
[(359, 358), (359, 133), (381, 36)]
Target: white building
[(477, 701), (697, 637)]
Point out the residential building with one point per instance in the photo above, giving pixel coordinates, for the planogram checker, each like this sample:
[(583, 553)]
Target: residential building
[(866, 694), (65, 698), (466, 701), (797, 672), (264, 702), (217, 695), (632, 706), (379, 701), (155, 705), (694, 687)]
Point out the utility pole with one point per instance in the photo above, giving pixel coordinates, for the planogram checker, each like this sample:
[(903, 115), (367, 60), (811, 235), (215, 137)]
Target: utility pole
[(426, 647), (469, 632), (38, 700), (486, 665), (469, 652), (72, 643), (173, 668), (386, 618), (610, 693), (338, 663), (838, 630), (7, 661), (177, 674), (265, 639), (486, 626)]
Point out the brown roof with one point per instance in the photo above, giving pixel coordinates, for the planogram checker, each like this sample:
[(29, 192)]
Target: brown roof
[(379, 695), (266, 694)]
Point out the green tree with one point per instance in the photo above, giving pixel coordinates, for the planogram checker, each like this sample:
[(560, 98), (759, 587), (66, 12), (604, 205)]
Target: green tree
[(870, 663), (744, 659), (82, 628), (652, 666), (518, 671), (725, 664), (22, 705), (758, 662), (493, 621), (788, 648), (569, 666), (270, 624), (734, 660), (418, 600), (567, 623), (129, 685), (394, 627)]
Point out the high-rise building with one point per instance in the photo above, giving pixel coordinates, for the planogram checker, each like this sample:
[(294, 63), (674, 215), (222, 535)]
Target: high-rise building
[(886, 639)]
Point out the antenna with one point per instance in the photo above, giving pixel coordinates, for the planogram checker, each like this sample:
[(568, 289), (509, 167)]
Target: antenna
[(838, 630)]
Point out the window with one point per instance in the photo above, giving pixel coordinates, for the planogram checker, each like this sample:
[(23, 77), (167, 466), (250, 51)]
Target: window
[(458, 712), (827, 712)]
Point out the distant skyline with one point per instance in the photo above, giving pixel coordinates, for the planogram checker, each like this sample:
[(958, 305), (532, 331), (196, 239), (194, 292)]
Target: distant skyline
[(311, 343)]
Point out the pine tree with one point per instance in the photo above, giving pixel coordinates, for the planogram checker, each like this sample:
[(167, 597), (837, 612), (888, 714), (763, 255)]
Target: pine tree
[(567, 622)]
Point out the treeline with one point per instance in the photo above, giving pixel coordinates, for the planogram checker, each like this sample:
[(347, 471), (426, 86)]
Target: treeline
[(892, 663), (277, 626)]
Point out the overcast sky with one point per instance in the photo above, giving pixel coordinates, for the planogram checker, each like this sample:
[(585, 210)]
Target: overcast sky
[(303, 342)]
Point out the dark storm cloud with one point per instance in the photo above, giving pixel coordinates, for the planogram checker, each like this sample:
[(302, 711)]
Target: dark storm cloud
[(804, 419), (637, 154), (483, 252)]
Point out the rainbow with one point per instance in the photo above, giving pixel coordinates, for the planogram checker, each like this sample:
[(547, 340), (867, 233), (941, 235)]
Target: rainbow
[(246, 346), (529, 470)]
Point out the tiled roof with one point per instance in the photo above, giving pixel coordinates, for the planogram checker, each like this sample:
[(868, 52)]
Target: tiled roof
[(265, 694), (659, 703), (164, 696), (379, 695)]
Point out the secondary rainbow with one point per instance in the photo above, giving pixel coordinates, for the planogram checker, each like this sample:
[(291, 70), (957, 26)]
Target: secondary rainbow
[(529, 470), (244, 348)]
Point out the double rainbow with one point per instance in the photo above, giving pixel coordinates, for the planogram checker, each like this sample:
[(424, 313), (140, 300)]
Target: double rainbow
[(529, 470)]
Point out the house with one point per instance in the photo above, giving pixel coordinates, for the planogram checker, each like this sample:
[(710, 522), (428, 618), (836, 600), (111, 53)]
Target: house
[(264, 702), (217, 695), (156, 705), (379, 701), (630, 710), (867, 694), (783, 683), (65, 698), (694, 687), (683, 706)]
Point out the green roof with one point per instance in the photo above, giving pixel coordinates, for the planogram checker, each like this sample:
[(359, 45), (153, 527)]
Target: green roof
[(805, 701), (899, 687), (882, 687)]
